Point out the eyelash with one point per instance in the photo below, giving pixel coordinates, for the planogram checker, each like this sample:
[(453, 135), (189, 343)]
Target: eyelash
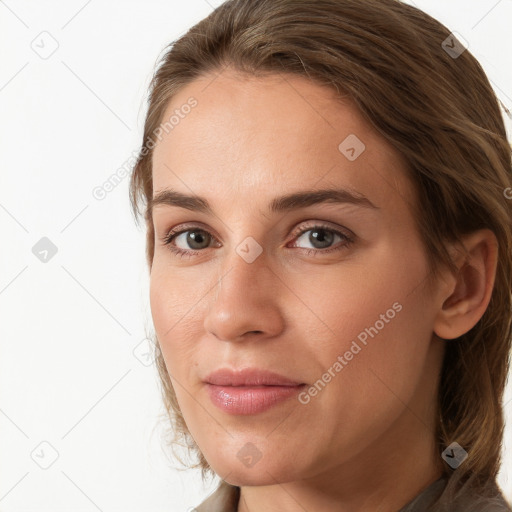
[(182, 253)]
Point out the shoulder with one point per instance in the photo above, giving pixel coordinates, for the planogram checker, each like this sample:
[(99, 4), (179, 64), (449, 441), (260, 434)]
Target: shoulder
[(443, 498), (224, 499), (436, 498)]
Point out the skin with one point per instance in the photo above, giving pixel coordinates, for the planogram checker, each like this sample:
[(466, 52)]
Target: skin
[(366, 441)]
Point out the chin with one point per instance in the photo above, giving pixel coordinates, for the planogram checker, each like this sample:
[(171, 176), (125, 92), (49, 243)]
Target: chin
[(242, 477), (242, 471)]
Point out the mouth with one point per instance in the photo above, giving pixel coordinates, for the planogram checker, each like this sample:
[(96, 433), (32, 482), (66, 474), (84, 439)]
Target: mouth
[(250, 391)]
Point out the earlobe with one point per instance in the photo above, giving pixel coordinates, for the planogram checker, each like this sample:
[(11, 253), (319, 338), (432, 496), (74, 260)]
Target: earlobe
[(471, 292)]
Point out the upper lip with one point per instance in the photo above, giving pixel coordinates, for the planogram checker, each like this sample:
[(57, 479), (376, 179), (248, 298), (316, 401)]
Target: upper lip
[(248, 377)]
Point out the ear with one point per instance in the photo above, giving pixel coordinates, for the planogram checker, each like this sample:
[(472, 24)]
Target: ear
[(468, 294)]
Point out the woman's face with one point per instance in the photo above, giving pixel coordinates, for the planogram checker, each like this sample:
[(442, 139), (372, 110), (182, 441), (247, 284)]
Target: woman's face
[(330, 295)]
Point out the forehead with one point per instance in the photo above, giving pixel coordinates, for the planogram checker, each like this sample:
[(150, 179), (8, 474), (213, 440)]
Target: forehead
[(254, 137)]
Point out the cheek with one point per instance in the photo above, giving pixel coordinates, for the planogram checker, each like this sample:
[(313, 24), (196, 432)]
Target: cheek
[(162, 304), (171, 311), (379, 320), (380, 290), (387, 361), (173, 295)]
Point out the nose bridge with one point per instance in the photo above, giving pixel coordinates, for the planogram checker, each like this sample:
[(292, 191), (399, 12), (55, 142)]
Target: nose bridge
[(243, 275), (243, 299), (240, 277)]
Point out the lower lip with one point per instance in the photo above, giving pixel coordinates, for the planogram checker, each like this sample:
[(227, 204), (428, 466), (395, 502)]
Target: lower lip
[(250, 399)]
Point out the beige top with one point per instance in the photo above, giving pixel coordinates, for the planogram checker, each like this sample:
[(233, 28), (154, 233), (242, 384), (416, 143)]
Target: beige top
[(226, 496)]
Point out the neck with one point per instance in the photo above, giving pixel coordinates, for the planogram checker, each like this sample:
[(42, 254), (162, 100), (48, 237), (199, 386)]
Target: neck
[(376, 482)]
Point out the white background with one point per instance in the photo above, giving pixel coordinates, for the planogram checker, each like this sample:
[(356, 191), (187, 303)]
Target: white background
[(69, 375)]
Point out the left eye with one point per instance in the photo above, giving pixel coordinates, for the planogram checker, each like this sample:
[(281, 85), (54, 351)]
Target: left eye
[(323, 236)]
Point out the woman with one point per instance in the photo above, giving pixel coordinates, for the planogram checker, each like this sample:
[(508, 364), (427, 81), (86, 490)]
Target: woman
[(327, 193)]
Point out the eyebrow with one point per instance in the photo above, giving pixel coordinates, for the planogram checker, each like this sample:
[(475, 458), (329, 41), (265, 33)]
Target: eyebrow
[(293, 201)]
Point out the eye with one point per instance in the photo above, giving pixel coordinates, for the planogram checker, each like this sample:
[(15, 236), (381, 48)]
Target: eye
[(321, 237), (194, 237), (198, 239)]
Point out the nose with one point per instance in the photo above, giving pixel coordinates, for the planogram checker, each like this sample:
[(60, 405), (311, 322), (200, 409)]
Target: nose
[(245, 301)]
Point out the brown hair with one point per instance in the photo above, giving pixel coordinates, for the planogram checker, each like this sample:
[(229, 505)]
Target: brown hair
[(437, 109)]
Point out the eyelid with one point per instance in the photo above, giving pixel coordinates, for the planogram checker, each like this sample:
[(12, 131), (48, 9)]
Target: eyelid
[(303, 227), (188, 226)]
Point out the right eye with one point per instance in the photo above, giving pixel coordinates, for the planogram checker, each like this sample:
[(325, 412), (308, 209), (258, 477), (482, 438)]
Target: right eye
[(192, 236)]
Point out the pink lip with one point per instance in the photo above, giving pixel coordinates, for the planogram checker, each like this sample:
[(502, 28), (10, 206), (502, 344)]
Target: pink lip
[(250, 391)]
